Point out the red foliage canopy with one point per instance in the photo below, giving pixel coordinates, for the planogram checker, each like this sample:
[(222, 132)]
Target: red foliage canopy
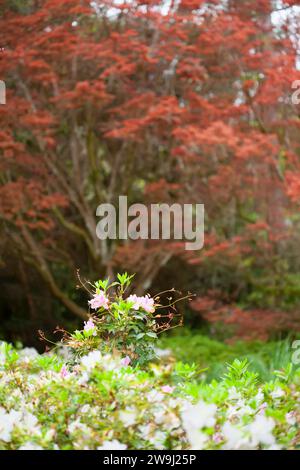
[(188, 103)]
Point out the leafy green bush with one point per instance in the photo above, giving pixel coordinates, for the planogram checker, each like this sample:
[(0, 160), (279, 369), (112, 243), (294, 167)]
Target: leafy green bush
[(127, 324)]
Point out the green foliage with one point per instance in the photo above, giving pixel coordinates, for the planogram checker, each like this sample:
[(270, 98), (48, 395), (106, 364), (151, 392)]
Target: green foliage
[(263, 358), (238, 372)]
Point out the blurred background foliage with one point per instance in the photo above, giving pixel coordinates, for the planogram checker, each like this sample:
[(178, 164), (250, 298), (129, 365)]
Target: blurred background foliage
[(191, 347)]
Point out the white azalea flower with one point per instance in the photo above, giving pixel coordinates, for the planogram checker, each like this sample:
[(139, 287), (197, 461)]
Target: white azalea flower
[(2, 353), (196, 417), (77, 425), (30, 446), (233, 394), (15, 417), (160, 415), (128, 417), (200, 415), (83, 379), (196, 438), (50, 435), (235, 439), (239, 409), (91, 359), (244, 409), (7, 423), (6, 426), (277, 393), (155, 396), (290, 418), (145, 431), (158, 439), (259, 397), (28, 353), (112, 445), (261, 430), (85, 408), (30, 422)]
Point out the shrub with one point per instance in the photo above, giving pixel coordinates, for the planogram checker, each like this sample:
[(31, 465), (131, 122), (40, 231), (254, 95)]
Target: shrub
[(100, 402), (128, 324)]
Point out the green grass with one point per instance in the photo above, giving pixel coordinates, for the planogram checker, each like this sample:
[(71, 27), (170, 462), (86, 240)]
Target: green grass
[(192, 347)]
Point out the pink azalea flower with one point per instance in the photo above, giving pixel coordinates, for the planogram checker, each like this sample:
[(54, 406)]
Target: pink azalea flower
[(64, 372), (167, 389), (217, 437), (98, 301), (262, 408), (134, 299), (90, 326), (126, 361), (146, 303)]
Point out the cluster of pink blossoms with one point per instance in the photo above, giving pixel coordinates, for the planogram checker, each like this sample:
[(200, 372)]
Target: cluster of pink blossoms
[(126, 361), (98, 301), (89, 326), (64, 373), (146, 303)]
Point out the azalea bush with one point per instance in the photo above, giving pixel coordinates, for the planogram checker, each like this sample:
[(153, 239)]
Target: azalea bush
[(125, 323), (100, 402), (104, 387)]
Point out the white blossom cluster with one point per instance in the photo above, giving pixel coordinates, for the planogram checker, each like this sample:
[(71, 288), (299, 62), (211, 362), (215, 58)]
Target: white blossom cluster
[(101, 402)]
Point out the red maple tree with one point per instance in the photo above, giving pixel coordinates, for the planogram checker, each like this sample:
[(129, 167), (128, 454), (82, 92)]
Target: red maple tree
[(188, 102)]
